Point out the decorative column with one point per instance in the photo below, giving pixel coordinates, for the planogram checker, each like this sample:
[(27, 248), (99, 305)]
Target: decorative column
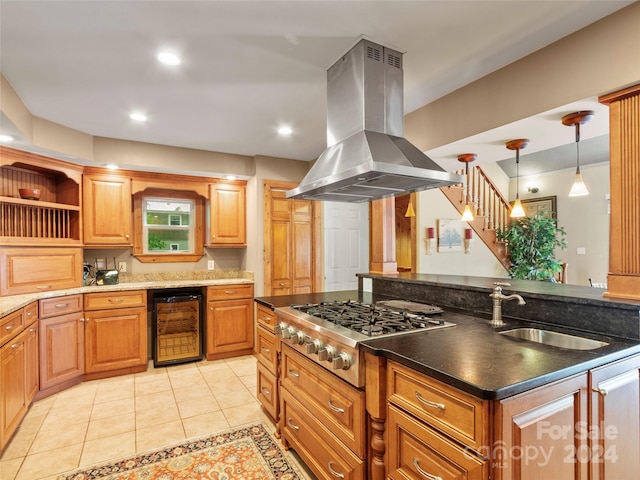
[(376, 403), (623, 280), (382, 240)]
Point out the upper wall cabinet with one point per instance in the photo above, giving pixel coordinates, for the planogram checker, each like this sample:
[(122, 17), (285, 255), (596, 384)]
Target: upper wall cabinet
[(228, 215), (53, 217), (107, 210)]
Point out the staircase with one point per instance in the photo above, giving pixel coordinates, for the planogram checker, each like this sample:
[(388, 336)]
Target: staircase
[(490, 209)]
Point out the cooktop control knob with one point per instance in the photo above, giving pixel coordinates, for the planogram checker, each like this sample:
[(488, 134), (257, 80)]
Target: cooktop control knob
[(287, 332), (279, 327), (314, 346), (341, 361), (326, 353), (297, 338)]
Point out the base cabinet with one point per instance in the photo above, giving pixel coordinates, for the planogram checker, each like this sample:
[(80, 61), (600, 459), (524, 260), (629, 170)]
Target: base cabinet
[(115, 332), (267, 352), (61, 343), (229, 325)]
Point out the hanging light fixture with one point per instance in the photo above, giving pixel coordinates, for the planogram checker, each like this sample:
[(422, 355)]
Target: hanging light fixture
[(517, 211), (410, 211), (467, 158), (578, 118)]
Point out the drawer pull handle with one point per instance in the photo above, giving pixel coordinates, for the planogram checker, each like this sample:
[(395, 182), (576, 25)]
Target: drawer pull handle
[(33, 329), (334, 408), (333, 472), (16, 345), (29, 314), (10, 327), (266, 349), (282, 284), (61, 305), (230, 292), (116, 300), (266, 319), (423, 473), (602, 391), (43, 287), (294, 374), (428, 403), (292, 425), (266, 391)]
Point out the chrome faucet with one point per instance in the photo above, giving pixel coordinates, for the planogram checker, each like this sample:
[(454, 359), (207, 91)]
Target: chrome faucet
[(498, 297)]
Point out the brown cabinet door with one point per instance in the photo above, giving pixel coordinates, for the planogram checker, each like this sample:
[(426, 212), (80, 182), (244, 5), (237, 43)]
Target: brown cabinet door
[(13, 400), (228, 215), (615, 420), (61, 349), (115, 339), (38, 269), (32, 367), (539, 434), (107, 210), (229, 328)]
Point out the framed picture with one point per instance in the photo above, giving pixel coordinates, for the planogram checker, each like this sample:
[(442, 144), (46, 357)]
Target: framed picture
[(533, 206), (449, 236), (175, 220)]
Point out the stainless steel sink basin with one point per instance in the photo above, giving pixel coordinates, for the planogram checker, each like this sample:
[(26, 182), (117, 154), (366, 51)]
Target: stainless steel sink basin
[(555, 339)]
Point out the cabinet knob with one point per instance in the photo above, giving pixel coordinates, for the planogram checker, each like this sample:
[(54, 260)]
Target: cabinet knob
[(602, 391), (127, 237)]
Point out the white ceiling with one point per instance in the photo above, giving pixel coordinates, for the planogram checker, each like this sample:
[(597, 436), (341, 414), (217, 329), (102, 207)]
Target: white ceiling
[(250, 66)]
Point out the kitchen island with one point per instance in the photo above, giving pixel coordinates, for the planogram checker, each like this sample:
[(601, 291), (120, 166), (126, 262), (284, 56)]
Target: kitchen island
[(477, 389)]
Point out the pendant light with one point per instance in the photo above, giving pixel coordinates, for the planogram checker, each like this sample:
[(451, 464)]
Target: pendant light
[(467, 158), (410, 211), (578, 118), (517, 211)]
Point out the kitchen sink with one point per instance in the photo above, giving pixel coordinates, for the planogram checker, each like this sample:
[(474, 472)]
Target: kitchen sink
[(555, 339)]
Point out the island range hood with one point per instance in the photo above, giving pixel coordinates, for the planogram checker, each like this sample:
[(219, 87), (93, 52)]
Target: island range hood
[(367, 157)]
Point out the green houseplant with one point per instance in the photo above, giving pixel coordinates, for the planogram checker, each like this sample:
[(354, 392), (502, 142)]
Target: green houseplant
[(531, 242)]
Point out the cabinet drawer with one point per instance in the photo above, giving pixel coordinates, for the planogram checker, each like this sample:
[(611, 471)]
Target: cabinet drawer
[(11, 325), (319, 449), (229, 292), (456, 413), (27, 270), (266, 349), (265, 317), (336, 404), (267, 390), (50, 307), (418, 452), (111, 300), (30, 313)]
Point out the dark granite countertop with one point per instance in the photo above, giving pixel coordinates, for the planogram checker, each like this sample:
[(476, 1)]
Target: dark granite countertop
[(472, 356)]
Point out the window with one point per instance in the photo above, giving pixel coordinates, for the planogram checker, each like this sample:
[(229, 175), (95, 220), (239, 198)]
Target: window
[(168, 226)]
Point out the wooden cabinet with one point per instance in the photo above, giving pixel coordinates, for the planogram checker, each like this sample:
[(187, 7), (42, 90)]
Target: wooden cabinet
[(38, 269), (434, 430), (115, 333), (614, 414), (61, 343), (228, 225), (18, 368), (540, 433), (267, 352), (322, 417), (290, 239), (229, 326), (107, 210), (52, 220)]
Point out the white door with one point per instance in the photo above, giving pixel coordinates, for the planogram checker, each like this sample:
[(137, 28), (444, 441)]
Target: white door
[(346, 244)]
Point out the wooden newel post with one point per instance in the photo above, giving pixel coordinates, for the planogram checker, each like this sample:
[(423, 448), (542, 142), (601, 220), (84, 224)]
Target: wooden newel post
[(383, 237)]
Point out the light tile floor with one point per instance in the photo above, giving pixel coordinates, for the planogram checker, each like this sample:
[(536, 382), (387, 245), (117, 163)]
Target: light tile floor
[(108, 419)]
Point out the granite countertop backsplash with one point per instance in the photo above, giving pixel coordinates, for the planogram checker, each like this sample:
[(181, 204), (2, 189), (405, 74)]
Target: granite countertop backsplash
[(129, 281)]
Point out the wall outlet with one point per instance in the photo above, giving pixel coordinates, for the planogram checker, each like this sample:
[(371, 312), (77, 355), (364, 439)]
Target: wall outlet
[(581, 251), (210, 265), (122, 266)]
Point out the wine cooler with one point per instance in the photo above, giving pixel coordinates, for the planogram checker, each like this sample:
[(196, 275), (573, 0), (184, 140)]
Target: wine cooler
[(177, 328)]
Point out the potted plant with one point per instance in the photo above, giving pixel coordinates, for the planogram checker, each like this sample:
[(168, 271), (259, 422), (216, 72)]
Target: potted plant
[(531, 243)]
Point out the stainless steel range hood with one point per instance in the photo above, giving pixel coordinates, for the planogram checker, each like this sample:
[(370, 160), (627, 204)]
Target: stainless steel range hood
[(367, 157)]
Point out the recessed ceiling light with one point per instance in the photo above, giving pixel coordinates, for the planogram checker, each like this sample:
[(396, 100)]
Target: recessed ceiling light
[(138, 117), (285, 130), (6, 138), (111, 166), (168, 58), (230, 177)]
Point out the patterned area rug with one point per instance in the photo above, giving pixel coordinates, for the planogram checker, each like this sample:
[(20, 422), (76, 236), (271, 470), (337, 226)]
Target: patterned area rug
[(243, 454)]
